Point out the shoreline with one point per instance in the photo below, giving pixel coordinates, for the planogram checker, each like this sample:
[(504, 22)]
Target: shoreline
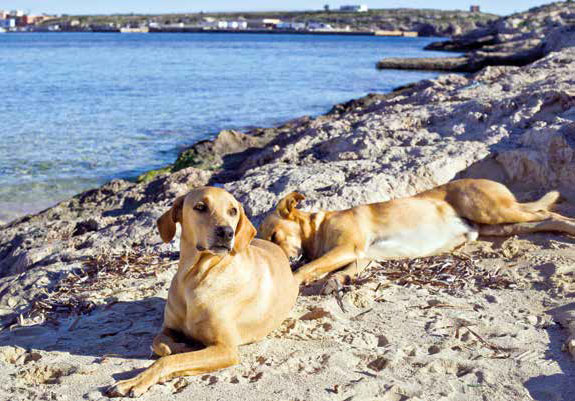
[(208, 154), (269, 125), (378, 33)]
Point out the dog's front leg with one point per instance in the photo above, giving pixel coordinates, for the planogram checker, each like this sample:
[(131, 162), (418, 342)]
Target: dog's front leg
[(332, 260), (212, 358), (165, 344)]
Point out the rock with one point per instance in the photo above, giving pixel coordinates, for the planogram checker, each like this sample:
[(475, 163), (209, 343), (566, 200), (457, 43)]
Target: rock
[(378, 364), (86, 226), (209, 155), (454, 64), (314, 314), (516, 40)]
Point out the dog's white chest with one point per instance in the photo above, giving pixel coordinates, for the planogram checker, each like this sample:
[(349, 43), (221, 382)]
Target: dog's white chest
[(422, 240)]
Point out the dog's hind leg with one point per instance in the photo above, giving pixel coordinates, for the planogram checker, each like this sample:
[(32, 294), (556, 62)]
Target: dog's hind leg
[(554, 224), (528, 212)]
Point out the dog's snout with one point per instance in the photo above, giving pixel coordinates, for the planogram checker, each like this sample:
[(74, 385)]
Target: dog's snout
[(225, 233)]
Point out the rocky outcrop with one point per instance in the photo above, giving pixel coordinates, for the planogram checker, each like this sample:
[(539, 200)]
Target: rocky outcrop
[(452, 64), (516, 40), (525, 29)]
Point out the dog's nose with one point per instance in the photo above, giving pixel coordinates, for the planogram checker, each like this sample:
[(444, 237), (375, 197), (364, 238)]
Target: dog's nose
[(225, 232)]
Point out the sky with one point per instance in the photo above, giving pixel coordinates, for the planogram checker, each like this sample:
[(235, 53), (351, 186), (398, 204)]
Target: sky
[(501, 7)]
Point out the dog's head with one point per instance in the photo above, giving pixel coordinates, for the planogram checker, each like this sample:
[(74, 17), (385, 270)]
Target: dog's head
[(212, 221), (282, 226)]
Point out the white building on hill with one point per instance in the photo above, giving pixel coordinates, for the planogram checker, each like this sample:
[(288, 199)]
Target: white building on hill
[(361, 8)]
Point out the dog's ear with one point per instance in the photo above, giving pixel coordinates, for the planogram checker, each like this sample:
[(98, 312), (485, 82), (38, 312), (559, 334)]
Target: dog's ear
[(167, 223), (245, 232), (288, 204)]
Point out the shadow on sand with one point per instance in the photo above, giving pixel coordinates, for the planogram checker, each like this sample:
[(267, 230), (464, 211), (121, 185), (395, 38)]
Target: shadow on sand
[(124, 329)]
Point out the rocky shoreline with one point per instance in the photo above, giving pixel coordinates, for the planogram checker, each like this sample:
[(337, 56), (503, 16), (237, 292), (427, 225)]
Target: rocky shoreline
[(514, 40), (82, 284)]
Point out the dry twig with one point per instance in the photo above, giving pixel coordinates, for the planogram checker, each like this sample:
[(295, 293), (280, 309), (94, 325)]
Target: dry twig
[(451, 272), (74, 293)]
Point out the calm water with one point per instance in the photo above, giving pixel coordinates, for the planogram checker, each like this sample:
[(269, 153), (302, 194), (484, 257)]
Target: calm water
[(80, 109)]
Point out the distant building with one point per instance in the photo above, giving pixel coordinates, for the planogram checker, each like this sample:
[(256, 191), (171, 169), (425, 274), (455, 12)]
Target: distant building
[(17, 13), (238, 24), (30, 20), (361, 8), (318, 26), (291, 26), (8, 23), (264, 23), (474, 9), (234, 24)]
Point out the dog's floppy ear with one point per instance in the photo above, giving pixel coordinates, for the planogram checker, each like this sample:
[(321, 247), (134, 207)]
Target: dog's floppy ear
[(167, 223), (245, 232), (288, 204)]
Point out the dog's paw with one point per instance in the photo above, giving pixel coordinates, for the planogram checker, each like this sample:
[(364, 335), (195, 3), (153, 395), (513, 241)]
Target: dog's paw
[(304, 279), (128, 388), (161, 349)]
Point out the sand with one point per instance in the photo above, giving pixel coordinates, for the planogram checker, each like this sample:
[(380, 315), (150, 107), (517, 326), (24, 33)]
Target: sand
[(393, 342)]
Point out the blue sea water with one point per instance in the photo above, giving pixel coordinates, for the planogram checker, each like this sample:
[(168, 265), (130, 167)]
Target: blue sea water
[(78, 109)]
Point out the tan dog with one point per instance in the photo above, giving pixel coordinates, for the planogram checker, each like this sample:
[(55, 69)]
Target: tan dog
[(228, 290), (427, 224)]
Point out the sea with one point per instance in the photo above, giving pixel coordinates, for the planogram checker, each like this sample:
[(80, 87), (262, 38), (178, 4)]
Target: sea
[(80, 109)]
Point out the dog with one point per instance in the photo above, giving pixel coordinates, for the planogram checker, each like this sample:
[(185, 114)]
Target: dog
[(430, 223), (230, 289)]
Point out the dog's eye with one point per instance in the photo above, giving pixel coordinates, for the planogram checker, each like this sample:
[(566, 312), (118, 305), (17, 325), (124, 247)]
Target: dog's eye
[(233, 212), (200, 207)]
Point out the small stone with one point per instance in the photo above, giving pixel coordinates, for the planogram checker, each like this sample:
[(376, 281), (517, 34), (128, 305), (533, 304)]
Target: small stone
[(378, 364), (434, 349), (315, 313), (382, 341)]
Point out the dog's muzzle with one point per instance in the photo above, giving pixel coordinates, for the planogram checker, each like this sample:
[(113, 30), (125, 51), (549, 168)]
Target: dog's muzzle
[(224, 239)]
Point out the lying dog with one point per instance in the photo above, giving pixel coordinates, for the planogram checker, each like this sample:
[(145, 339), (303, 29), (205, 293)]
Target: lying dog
[(228, 290), (429, 223)]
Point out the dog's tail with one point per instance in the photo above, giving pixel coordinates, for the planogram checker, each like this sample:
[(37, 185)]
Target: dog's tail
[(543, 204)]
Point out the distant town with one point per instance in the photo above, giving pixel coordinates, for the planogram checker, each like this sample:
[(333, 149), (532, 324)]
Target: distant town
[(347, 19)]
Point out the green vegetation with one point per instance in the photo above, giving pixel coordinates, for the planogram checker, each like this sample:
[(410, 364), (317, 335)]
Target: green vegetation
[(201, 157), (150, 175), (193, 158)]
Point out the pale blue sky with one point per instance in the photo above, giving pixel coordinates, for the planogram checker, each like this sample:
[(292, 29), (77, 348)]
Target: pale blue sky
[(502, 7)]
